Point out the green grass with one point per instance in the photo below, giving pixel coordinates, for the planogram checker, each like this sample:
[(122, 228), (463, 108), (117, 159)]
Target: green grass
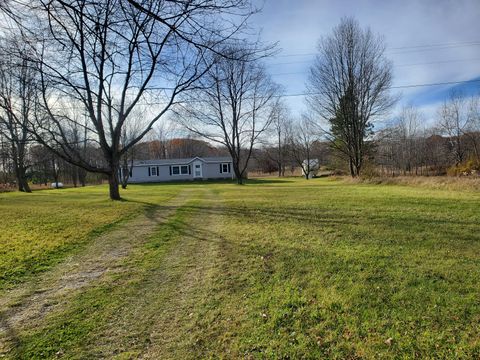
[(279, 269), (338, 269), (90, 314), (38, 230)]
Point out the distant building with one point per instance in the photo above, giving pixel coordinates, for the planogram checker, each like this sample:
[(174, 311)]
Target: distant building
[(311, 166), (144, 171)]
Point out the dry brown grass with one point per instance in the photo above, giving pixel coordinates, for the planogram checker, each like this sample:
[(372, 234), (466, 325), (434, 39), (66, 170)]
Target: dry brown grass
[(434, 182)]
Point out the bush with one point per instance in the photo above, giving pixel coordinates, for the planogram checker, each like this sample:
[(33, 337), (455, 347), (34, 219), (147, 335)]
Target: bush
[(470, 167), (369, 171)]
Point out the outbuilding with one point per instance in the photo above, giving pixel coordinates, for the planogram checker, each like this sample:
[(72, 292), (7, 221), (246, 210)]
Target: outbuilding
[(312, 166)]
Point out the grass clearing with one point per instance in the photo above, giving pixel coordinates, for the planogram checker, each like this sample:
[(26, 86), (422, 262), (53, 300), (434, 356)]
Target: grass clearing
[(38, 230), (83, 328), (334, 270), (283, 269)]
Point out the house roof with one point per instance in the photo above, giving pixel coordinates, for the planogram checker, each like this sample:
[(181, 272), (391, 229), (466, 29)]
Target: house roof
[(184, 161)]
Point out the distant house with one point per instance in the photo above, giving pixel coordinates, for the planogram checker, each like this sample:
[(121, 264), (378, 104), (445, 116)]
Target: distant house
[(144, 171), (311, 166)]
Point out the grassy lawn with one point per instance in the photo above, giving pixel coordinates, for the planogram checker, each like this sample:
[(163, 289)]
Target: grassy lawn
[(273, 269), (38, 230), (337, 270)]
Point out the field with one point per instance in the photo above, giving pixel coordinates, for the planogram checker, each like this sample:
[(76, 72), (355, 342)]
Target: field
[(274, 269)]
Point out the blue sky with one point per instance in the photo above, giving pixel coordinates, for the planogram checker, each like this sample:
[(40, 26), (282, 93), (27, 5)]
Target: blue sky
[(428, 42)]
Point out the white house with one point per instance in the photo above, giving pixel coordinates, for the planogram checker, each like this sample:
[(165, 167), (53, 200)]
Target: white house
[(144, 171)]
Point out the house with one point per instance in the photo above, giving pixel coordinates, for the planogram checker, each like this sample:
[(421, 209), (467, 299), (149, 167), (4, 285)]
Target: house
[(312, 166), (196, 168)]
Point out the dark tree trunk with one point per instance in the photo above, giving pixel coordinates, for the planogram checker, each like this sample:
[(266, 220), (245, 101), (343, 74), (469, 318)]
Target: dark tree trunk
[(238, 173), (124, 176), (18, 177), (74, 175), (113, 185), (55, 178), (23, 180), (82, 176), (280, 160), (356, 169), (307, 170), (240, 178), (126, 171), (352, 170), (22, 183)]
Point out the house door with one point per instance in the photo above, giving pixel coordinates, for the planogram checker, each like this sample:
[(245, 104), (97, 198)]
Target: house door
[(197, 169)]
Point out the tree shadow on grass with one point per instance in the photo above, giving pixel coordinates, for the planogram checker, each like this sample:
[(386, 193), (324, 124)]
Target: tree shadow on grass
[(261, 181), (253, 181), (182, 182), (308, 217)]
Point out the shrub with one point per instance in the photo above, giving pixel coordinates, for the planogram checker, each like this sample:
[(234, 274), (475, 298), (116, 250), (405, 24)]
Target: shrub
[(470, 167), (369, 171)]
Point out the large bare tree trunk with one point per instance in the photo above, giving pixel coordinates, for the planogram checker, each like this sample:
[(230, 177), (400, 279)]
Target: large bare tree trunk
[(113, 186), (17, 169), (238, 173), (22, 183), (352, 170)]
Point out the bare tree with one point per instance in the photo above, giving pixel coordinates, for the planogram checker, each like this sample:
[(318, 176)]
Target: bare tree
[(302, 141), (126, 166), (5, 161), (234, 108), (473, 127), (161, 136), (453, 123), (408, 129), (281, 129), (18, 91), (349, 85), (129, 132), (111, 57), (10, 12)]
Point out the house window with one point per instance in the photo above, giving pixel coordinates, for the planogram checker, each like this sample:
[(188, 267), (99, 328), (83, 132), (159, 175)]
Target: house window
[(180, 170), (153, 171), (225, 168)]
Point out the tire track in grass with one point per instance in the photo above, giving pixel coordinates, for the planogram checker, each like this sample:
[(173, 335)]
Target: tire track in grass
[(156, 303), (153, 307), (25, 307), (194, 266)]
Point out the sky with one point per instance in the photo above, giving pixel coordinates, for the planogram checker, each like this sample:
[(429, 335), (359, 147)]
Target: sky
[(428, 42)]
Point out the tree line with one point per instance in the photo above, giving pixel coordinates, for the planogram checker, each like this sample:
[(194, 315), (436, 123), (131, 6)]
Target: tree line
[(406, 144), (349, 93)]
